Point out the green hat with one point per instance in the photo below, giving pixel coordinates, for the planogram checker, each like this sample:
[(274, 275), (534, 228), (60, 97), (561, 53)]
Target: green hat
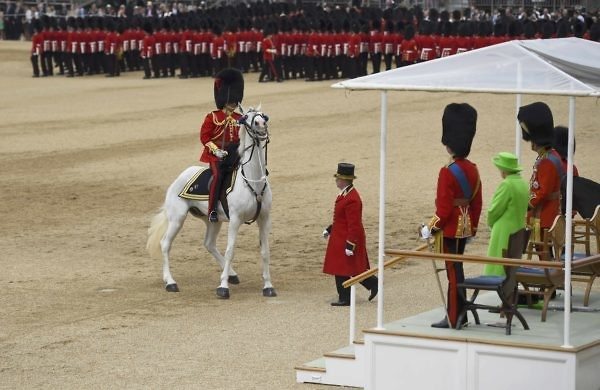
[(507, 162)]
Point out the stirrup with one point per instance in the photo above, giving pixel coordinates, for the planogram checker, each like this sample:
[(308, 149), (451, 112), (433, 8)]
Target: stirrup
[(213, 217)]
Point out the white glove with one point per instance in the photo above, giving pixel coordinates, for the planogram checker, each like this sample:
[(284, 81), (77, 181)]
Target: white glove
[(220, 153), (325, 234), (425, 232), (349, 252)]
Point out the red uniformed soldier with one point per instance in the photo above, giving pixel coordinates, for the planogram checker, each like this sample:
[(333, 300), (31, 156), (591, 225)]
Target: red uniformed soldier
[(458, 201), (37, 43), (147, 50), (408, 47), (269, 51), (219, 133), (217, 50), (375, 45), (389, 44), (426, 42), (537, 127), (447, 41), (346, 253)]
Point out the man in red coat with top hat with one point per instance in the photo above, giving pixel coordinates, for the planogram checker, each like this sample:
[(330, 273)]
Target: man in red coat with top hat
[(458, 201), (346, 253), (219, 133)]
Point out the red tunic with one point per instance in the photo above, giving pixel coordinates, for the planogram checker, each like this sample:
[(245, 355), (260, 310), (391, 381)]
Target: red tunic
[(37, 43), (217, 47), (427, 49), (267, 47), (447, 46), (220, 129), (544, 191), (147, 50), (347, 231), (375, 42), (409, 50), (457, 221)]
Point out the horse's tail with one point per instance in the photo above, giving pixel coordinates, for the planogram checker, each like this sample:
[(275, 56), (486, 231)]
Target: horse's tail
[(156, 231)]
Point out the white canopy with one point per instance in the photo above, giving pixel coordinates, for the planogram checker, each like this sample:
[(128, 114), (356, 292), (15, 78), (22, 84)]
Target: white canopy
[(565, 66)]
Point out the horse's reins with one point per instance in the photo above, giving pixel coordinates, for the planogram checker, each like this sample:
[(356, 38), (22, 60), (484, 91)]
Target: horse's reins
[(256, 139)]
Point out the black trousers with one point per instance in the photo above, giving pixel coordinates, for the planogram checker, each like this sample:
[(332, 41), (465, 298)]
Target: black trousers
[(344, 293)]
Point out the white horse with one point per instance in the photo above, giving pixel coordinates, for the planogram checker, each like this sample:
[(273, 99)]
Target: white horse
[(249, 200)]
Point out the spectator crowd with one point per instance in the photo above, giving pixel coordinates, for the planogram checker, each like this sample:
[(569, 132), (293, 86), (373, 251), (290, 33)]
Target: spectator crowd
[(281, 41)]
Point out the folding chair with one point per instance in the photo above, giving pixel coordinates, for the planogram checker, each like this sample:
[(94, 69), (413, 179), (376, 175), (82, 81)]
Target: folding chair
[(544, 281), (504, 286)]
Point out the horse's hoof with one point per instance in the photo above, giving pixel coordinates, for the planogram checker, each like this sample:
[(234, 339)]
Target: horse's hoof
[(269, 292), (172, 287), (223, 292), (233, 279)]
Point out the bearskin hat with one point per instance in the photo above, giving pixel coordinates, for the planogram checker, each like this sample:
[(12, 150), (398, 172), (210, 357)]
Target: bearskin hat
[(561, 141), (459, 124), (229, 87), (537, 124)]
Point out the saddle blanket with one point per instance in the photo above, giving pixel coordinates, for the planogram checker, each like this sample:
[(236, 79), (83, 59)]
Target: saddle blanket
[(197, 188)]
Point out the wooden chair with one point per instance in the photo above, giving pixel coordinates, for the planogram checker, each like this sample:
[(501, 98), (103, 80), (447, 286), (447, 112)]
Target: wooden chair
[(504, 286), (544, 281), (586, 233)]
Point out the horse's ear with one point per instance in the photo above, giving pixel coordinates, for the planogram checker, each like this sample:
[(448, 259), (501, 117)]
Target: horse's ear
[(259, 106)]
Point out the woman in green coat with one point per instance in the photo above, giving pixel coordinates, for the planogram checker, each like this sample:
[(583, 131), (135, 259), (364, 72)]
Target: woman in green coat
[(508, 211)]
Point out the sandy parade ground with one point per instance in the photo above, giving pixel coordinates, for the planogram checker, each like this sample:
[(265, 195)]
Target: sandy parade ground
[(85, 163)]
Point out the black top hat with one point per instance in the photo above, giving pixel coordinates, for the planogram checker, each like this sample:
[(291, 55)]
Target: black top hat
[(561, 141), (345, 171), (537, 124), (459, 124), (228, 87)]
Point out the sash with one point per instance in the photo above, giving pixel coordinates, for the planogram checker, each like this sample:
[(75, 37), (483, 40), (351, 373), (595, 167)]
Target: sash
[(460, 176), (557, 164)]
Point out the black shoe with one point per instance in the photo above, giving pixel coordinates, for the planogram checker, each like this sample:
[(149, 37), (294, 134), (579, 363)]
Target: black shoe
[(374, 292), (443, 324), (212, 217), (340, 303)]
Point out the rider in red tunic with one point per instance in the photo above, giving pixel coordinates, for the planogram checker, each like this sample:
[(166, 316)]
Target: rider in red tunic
[(219, 133), (346, 253)]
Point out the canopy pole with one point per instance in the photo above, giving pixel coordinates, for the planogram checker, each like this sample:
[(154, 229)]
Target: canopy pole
[(381, 253), (569, 228), (518, 128)]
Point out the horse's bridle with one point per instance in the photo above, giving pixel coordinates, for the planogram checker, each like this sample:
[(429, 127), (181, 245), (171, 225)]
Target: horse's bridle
[(257, 138)]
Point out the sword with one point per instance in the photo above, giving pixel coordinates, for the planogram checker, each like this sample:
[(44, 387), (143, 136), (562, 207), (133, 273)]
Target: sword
[(431, 244)]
